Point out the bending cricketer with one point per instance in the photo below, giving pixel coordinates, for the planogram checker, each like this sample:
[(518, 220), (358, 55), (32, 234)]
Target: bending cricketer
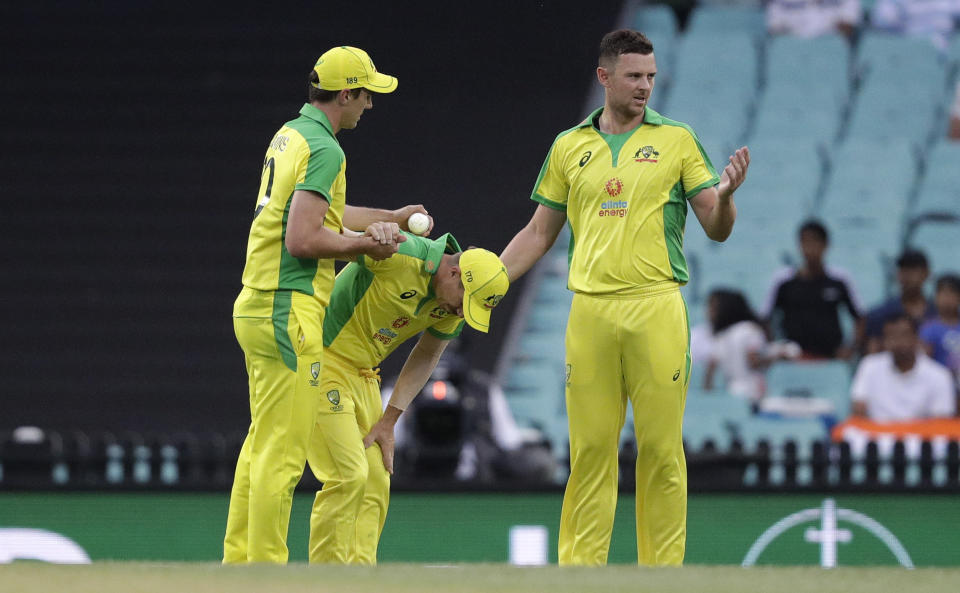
[(375, 306), (623, 178), (299, 226)]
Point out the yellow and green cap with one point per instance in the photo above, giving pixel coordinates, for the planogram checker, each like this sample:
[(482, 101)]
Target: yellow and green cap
[(347, 67), (485, 282)]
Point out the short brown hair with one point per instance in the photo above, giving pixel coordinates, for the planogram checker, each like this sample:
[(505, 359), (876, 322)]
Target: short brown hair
[(623, 41), (318, 95)]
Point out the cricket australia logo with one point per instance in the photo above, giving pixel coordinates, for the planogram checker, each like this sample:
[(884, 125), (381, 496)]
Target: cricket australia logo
[(646, 154), (614, 187), (438, 313), (333, 396), (315, 373), (492, 301)]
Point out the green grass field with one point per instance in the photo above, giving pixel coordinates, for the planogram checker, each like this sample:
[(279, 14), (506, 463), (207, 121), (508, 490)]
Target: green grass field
[(130, 577)]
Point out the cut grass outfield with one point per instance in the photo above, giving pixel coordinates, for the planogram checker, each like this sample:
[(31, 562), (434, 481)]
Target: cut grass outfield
[(138, 577)]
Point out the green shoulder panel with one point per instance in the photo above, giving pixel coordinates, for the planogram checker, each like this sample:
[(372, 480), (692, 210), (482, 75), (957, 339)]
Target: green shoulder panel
[(348, 289), (543, 171), (326, 157)]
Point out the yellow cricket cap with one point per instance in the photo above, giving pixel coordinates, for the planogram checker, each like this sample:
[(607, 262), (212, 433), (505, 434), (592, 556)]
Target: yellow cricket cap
[(347, 67), (485, 281)]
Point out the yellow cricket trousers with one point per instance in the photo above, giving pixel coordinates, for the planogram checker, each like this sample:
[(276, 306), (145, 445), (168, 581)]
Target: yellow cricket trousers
[(619, 351), (351, 508), (284, 358)]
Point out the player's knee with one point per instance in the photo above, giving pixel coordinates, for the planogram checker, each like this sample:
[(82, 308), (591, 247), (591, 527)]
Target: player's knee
[(659, 457)]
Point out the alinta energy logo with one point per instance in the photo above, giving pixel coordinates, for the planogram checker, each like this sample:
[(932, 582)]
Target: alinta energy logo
[(613, 208)]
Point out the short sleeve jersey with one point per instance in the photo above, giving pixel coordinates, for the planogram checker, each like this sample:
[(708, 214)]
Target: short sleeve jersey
[(625, 197), (304, 154), (377, 305)]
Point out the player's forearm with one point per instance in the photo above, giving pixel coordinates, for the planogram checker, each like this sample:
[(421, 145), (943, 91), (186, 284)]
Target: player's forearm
[(326, 244), (413, 376), (719, 223), (358, 218), (524, 250)]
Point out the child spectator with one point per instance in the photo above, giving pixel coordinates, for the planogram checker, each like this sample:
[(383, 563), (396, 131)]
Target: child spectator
[(941, 335)]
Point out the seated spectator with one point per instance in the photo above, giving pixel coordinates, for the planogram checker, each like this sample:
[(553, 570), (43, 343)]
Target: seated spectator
[(932, 19), (953, 132), (901, 383), (912, 273), (941, 335), (740, 350), (803, 304), (813, 18)]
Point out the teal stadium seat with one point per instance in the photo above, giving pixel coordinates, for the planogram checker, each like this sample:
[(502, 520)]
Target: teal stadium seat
[(735, 20), (804, 102), (824, 379), (745, 269), (890, 66), (940, 240), (939, 189), (777, 432), (866, 198), (712, 416)]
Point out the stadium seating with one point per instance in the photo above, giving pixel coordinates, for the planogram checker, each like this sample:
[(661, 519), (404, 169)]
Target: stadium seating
[(939, 189), (821, 379), (939, 239)]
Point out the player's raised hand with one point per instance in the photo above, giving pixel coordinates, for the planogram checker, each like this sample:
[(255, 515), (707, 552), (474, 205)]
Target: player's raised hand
[(382, 434), (734, 173), (403, 215), (385, 233)]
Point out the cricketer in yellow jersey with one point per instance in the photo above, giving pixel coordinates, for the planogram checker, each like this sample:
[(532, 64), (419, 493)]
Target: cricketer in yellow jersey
[(377, 305), (623, 178), (300, 225)]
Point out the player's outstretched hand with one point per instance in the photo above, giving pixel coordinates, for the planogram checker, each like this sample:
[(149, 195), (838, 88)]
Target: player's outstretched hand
[(734, 173), (403, 215), (382, 434), (385, 233)]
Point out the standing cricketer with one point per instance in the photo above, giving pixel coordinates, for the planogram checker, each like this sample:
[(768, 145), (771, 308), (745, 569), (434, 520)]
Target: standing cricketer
[(377, 305), (623, 178), (300, 225)]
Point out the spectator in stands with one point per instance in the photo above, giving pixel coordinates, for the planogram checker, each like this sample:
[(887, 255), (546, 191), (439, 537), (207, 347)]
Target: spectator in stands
[(740, 349), (803, 304), (813, 18), (932, 19), (912, 273), (901, 383), (941, 335), (953, 132)]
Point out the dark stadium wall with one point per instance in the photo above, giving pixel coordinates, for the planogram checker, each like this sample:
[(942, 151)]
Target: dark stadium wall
[(133, 138)]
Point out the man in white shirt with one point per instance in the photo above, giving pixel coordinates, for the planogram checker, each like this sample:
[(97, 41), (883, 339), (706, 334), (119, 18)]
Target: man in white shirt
[(812, 18), (901, 383)]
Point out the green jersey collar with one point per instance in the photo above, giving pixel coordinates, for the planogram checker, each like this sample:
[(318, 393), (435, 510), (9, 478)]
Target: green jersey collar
[(443, 244), (649, 117), (318, 116)]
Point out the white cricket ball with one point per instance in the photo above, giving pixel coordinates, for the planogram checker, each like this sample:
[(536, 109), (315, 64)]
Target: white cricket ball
[(418, 223)]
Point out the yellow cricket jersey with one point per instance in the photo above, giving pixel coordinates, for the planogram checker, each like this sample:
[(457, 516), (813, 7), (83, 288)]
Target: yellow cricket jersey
[(625, 196), (377, 305), (304, 154)]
